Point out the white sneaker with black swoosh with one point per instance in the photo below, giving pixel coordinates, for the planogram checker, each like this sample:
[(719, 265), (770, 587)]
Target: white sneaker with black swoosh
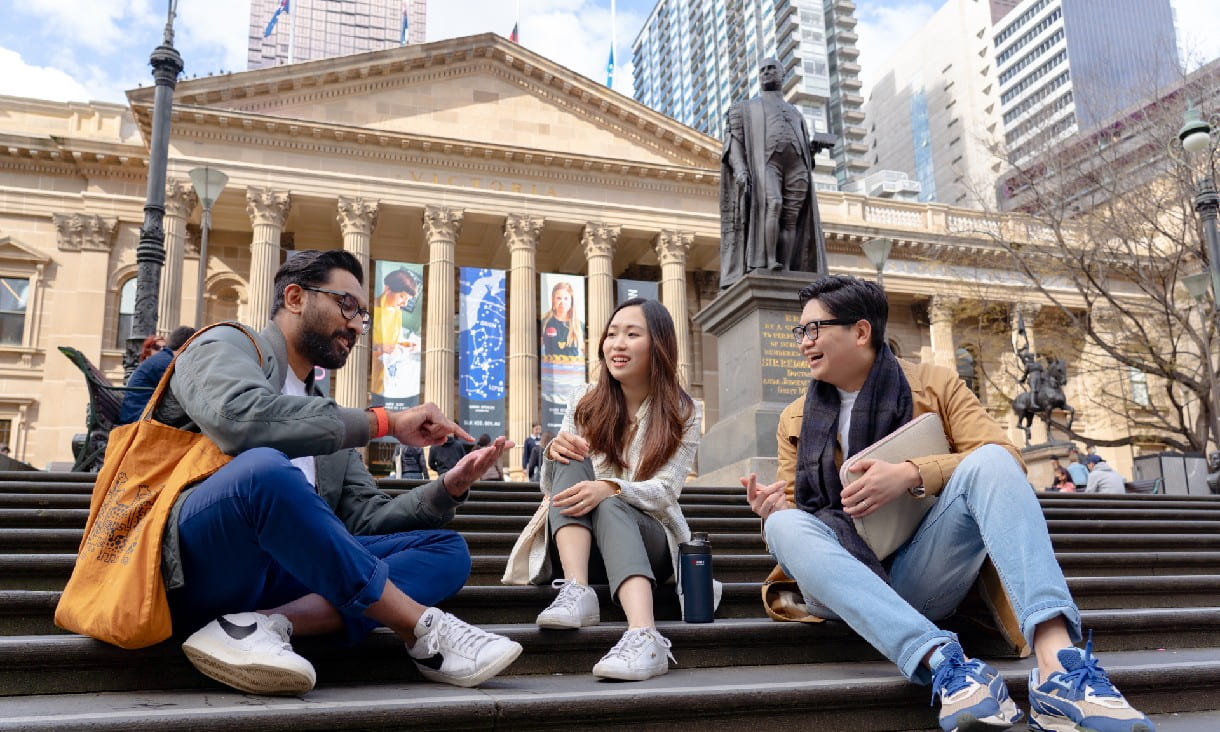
[(250, 652), (451, 651)]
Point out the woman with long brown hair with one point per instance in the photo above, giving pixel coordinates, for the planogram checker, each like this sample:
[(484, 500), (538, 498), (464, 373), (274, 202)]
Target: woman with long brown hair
[(611, 480)]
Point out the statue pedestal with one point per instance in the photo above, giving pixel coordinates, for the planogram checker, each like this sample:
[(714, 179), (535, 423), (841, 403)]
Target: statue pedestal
[(1038, 462), (760, 371)]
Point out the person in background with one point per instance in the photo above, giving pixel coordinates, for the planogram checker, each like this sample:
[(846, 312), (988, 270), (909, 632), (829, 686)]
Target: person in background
[(1103, 478), (411, 463), (531, 443), (148, 374), (533, 469), (494, 471), (610, 481), (1063, 482), (151, 345), (442, 458), (1076, 468)]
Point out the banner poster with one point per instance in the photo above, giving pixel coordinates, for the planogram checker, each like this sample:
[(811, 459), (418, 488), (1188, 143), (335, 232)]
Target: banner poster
[(562, 355), (625, 290), (397, 344), (482, 315)]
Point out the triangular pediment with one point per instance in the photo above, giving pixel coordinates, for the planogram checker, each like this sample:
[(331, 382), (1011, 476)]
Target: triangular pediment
[(482, 89), (13, 251)]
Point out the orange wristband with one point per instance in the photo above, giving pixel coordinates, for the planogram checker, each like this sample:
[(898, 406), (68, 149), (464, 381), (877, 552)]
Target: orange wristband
[(383, 421)]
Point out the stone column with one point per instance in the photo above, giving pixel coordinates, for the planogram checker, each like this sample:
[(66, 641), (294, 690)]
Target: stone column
[(91, 239), (942, 311), (441, 227), (268, 210), (357, 217), (671, 251), (521, 233), (180, 200), (599, 241)]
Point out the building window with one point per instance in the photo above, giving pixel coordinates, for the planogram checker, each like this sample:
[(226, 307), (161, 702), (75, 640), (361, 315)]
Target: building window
[(1139, 387), (127, 310), (6, 433), (14, 296), (968, 368)]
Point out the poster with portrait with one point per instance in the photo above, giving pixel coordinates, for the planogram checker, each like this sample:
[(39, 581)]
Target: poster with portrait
[(397, 342), (562, 351), (482, 315)]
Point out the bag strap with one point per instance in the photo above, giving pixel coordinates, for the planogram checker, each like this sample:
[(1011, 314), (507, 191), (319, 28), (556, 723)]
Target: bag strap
[(163, 385)]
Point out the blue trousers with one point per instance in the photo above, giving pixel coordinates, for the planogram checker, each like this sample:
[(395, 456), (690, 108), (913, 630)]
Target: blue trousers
[(985, 510), (256, 535)]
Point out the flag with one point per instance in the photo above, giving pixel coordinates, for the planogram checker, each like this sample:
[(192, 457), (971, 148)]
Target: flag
[(283, 8), (513, 36), (610, 69), (402, 36)]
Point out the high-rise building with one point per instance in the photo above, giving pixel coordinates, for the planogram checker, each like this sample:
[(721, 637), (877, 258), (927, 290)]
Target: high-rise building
[(695, 58), (934, 113), (316, 29), (1066, 65)]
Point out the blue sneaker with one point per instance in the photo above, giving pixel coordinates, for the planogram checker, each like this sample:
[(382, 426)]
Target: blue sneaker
[(973, 697), (1081, 698)]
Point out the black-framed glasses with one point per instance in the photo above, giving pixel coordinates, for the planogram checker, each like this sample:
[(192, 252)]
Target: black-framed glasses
[(813, 328), (349, 306)]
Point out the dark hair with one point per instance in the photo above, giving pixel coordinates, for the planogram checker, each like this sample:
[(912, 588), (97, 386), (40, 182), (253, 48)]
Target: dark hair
[(400, 280), (601, 415), (312, 268), (179, 336), (484, 440), (851, 298), (150, 346)]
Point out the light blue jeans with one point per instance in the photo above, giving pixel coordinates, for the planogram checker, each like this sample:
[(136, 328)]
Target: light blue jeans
[(986, 510)]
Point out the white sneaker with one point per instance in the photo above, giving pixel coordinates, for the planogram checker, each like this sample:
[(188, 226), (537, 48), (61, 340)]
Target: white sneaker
[(575, 607), (640, 654), (455, 652), (250, 652)]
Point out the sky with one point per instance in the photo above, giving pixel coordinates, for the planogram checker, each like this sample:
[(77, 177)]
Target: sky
[(87, 50)]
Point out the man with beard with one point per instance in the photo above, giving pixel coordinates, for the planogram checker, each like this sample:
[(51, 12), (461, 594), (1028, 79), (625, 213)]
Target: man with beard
[(293, 534)]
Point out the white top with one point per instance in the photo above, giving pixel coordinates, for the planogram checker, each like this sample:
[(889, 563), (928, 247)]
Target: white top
[(295, 387), (847, 400)]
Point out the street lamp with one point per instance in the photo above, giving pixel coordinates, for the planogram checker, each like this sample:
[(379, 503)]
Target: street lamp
[(1197, 285), (208, 183), (878, 252), (150, 253), (1196, 137)]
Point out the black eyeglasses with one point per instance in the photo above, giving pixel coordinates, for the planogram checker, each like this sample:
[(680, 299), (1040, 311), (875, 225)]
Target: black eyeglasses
[(349, 306), (813, 328)]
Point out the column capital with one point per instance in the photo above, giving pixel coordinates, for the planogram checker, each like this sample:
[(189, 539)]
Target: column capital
[(672, 246), (357, 215), (943, 308), (180, 198), (599, 239), (1029, 309), (268, 207), (442, 222), (85, 232), (522, 230)]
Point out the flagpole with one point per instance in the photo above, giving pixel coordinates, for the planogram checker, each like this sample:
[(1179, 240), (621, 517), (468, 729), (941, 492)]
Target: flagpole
[(292, 30)]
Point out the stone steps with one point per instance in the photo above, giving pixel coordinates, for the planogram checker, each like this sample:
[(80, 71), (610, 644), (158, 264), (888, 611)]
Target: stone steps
[(829, 697)]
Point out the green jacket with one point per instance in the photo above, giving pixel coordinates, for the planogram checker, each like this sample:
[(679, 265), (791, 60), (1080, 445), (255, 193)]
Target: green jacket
[(219, 389)]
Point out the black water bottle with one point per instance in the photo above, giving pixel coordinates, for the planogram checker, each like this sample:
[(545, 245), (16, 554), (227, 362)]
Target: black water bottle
[(695, 573)]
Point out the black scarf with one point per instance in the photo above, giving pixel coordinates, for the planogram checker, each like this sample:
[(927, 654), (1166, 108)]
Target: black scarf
[(883, 405)]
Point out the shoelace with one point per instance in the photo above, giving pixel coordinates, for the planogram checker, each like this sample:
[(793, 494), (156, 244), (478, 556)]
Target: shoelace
[(568, 595), (282, 627), (1090, 674), (461, 636), (633, 642), (952, 675)]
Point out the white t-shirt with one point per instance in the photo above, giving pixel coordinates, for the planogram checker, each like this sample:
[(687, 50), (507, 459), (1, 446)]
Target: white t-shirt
[(847, 399), (295, 387)]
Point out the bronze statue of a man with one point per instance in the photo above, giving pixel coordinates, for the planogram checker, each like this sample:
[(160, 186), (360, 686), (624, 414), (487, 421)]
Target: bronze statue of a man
[(768, 212)]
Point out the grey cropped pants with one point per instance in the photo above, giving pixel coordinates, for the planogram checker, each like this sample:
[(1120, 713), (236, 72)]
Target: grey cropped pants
[(636, 541)]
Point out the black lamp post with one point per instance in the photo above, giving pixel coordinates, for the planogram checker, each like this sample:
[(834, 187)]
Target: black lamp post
[(150, 253)]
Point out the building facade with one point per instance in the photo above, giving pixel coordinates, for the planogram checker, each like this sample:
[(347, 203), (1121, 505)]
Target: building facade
[(933, 112), (473, 152), (695, 58), (1065, 66), (315, 29)]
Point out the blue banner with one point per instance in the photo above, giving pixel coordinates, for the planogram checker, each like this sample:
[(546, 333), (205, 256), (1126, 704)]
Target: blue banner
[(482, 315), (397, 341)]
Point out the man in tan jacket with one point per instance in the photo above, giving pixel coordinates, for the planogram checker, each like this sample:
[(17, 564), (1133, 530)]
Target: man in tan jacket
[(984, 510)]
